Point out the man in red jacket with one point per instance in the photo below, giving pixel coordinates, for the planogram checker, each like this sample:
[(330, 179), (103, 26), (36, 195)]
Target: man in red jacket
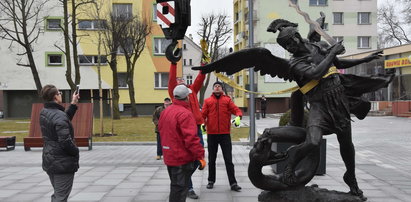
[(181, 145), (217, 112), (194, 106)]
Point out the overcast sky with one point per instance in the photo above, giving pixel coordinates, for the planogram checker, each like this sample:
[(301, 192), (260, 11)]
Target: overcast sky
[(204, 7)]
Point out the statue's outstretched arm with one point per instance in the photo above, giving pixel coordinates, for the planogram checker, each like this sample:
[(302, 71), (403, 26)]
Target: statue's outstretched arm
[(347, 63)]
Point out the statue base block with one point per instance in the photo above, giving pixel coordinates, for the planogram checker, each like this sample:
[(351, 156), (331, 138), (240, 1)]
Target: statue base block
[(308, 193)]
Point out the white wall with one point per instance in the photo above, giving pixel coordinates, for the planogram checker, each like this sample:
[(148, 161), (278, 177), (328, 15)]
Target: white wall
[(193, 52), (14, 77)]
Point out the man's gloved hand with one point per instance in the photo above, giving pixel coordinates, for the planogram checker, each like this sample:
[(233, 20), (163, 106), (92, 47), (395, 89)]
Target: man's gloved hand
[(237, 121), (202, 165), (203, 128)]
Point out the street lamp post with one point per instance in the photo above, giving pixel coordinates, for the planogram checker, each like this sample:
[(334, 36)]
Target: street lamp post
[(251, 73)]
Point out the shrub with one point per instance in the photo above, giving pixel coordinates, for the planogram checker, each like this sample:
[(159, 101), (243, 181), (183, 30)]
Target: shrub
[(285, 118)]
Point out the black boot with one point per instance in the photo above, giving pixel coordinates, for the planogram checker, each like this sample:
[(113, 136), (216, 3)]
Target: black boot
[(351, 181)]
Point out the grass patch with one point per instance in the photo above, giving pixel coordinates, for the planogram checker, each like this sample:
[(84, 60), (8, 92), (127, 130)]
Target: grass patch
[(15, 125), (128, 129)]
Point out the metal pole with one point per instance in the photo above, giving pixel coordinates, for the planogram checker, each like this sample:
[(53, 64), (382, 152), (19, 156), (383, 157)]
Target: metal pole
[(251, 73)]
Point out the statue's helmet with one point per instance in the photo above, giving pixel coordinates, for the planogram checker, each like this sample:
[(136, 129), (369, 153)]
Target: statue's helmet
[(286, 28), (286, 34)]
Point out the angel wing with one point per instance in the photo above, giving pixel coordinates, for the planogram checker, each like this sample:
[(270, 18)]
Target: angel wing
[(260, 58)]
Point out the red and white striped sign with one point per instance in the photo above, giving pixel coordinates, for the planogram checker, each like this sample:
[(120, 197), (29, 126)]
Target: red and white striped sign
[(167, 18)]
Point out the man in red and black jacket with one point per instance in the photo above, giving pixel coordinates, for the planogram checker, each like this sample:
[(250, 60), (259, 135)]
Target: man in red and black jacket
[(194, 105), (217, 110), (173, 81), (181, 145)]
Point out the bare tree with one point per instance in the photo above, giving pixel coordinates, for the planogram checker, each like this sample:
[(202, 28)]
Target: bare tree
[(115, 27), (406, 8), (392, 26), (20, 23), (215, 31), (71, 42), (133, 42), (96, 15)]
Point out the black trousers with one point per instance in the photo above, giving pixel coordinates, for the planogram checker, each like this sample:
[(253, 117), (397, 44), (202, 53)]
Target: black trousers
[(263, 111), (224, 140), (159, 148), (62, 184), (180, 179)]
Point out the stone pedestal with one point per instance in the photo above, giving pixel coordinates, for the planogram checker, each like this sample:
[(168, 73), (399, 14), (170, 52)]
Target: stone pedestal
[(308, 193)]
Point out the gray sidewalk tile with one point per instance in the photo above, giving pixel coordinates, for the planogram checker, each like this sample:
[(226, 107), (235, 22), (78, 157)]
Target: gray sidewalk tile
[(131, 185), (24, 197), (118, 199), (123, 192), (155, 188), (142, 197), (39, 189), (108, 181), (6, 193), (88, 196), (98, 188), (130, 173)]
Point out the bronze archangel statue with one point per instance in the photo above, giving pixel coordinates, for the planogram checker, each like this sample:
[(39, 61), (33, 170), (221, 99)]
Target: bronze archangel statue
[(332, 97)]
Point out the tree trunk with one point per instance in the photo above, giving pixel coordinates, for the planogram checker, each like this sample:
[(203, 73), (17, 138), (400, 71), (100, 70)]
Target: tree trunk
[(131, 90), (204, 88), (132, 98), (116, 95), (74, 43), (34, 70), (67, 46), (27, 47), (100, 89)]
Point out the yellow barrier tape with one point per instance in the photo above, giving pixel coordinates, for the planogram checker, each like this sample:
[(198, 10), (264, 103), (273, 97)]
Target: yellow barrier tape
[(307, 87), (238, 87), (313, 83)]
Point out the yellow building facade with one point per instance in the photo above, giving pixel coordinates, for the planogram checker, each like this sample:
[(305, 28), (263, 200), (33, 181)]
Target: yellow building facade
[(151, 71), (240, 42)]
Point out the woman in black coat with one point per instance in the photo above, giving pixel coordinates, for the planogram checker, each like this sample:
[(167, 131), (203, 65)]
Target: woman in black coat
[(60, 153)]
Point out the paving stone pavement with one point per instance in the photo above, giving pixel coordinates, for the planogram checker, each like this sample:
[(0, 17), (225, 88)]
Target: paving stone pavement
[(117, 173)]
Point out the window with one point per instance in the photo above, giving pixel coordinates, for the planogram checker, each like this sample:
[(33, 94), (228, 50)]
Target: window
[(53, 24), (338, 18), (363, 42), (325, 26), (54, 59), (161, 80), (92, 24), (122, 80), (91, 59), (364, 18), (129, 47), (338, 38), (160, 45), (318, 2), (154, 12), (236, 17), (185, 62), (185, 46), (190, 62), (189, 80), (122, 10)]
